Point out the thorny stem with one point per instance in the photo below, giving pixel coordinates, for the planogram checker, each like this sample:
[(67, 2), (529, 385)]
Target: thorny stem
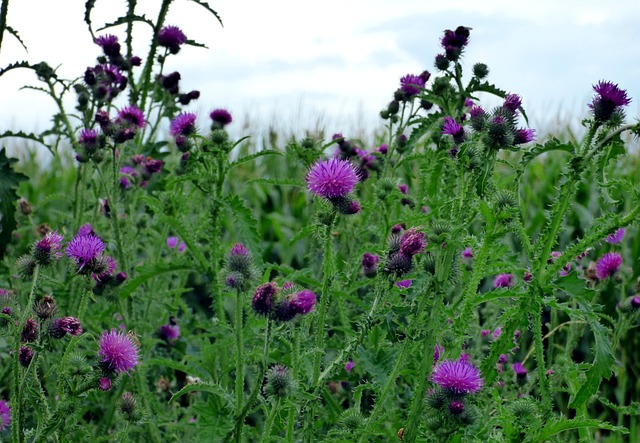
[(291, 417), (272, 415), (239, 385), (4, 9)]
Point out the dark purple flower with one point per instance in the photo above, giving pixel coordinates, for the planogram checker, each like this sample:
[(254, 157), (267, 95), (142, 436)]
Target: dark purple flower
[(182, 246), (172, 242), (25, 356), (302, 302), (404, 284), (412, 242), (458, 377), (503, 281), (5, 415), (453, 42), (467, 253), (452, 128), (520, 370), (485, 332), (171, 37), (131, 116), (411, 85), (349, 366), (512, 102), (403, 188), (183, 124), (169, 333), (263, 298), (608, 264), (333, 178), (47, 249), (85, 250), (524, 135), (503, 358), (152, 166), (609, 100), (86, 229), (118, 350), (497, 333), (221, 116), (109, 44), (456, 407), (616, 237), (89, 138), (30, 331), (370, 264), (104, 384), (66, 325)]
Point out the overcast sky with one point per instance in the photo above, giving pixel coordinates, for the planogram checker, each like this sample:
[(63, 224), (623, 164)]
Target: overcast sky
[(290, 62)]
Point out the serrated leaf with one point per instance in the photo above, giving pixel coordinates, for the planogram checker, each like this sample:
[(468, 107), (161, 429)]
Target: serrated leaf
[(88, 6), (145, 273), (212, 388), (16, 65), (246, 222), (13, 32), (600, 368), (250, 157), (9, 182), (28, 136), (278, 182), (551, 145), (196, 44), (556, 426), (208, 8), (632, 409), (127, 19)]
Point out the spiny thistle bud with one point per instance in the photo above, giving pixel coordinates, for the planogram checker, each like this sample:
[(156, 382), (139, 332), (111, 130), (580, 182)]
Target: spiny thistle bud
[(346, 205), (429, 263), (239, 266), (45, 307), (456, 407), (66, 325), (630, 304), (279, 382), (370, 264), (499, 133), (352, 419), (398, 264), (25, 207), (480, 70), (127, 404), (439, 230), (393, 242), (219, 136), (78, 364), (393, 107), (235, 280), (412, 242), (436, 397), (30, 331), (104, 384), (25, 266), (524, 410), (25, 356), (263, 298), (504, 201), (385, 187), (441, 62)]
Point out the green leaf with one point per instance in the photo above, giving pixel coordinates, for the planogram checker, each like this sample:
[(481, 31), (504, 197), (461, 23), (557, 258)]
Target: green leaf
[(250, 157), (278, 182), (632, 409), (556, 426), (9, 181), (27, 136), (196, 44), (551, 145), (127, 19), (600, 368), (212, 388), (208, 8), (147, 272), (88, 6), (13, 32), (247, 224)]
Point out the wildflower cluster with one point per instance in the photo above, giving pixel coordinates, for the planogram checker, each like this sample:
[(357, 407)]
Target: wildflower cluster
[(282, 304)]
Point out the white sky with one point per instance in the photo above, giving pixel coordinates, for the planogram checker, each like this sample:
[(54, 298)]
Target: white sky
[(291, 62)]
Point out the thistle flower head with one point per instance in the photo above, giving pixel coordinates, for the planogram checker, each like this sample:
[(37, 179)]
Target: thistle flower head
[(519, 370), (48, 248), (5, 415), (370, 264), (411, 85), (118, 351), (85, 250), (264, 297), (608, 264), (109, 44), (279, 382), (170, 332), (412, 242), (171, 37), (25, 355), (454, 129), (609, 100), (131, 116), (221, 117), (333, 178), (184, 124), (616, 237), (458, 377), (467, 253), (66, 325), (302, 302), (503, 281), (512, 102), (524, 135)]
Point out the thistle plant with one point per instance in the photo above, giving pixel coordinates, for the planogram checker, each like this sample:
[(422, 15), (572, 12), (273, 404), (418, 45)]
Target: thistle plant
[(462, 277)]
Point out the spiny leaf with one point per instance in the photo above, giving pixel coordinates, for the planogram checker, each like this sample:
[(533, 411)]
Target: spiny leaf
[(88, 6), (22, 64), (250, 157), (278, 182), (13, 32), (208, 8), (28, 136), (9, 181), (600, 368), (551, 145), (632, 409), (196, 44), (556, 426), (246, 222), (212, 388), (147, 272), (127, 19)]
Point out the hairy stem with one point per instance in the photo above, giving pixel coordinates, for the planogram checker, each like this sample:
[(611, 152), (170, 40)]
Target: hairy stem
[(239, 382)]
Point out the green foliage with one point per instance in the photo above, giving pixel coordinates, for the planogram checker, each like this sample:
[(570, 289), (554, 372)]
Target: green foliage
[(9, 182)]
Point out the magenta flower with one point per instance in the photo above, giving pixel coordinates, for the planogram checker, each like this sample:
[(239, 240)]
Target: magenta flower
[(349, 366), (520, 370), (171, 37), (370, 264), (222, 117), (184, 124), (404, 284), (411, 85), (264, 297), (608, 264), (497, 333), (609, 100), (467, 253), (5, 415), (66, 325), (438, 350), (104, 384), (88, 138), (170, 332), (47, 249), (459, 377), (523, 135), (512, 102), (503, 281), (109, 44), (86, 229), (332, 179), (452, 128), (172, 242), (85, 250), (119, 351), (303, 302), (131, 116), (412, 242), (616, 237)]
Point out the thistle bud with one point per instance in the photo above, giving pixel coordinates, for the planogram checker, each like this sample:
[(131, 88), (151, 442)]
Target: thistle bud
[(127, 404), (46, 307), (30, 331), (279, 382), (441, 62), (263, 298), (480, 70), (25, 207), (352, 419), (25, 356)]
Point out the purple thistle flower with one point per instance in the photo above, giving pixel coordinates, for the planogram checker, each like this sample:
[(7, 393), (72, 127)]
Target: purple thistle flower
[(503, 281), (524, 135), (503, 358), (302, 302), (131, 115), (171, 37), (467, 253), (183, 125), (404, 284), (452, 128), (456, 407), (105, 266), (182, 246), (349, 366), (412, 242), (458, 38), (610, 99), (88, 138), (608, 264), (411, 85), (169, 333), (221, 116), (616, 237), (497, 333), (25, 355), (85, 250), (86, 229), (47, 248), (458, 377), (263, 298), (485, 332), (520, 370), (477, 111), (5, 415), (370, 264), (512, 102), (118, 350), (172, 242), (66, 325), (331, 179), (30, 331), (104, 384), (109, 44)]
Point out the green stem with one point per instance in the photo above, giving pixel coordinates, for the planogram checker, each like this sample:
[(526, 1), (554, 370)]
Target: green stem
[(4, 9), (269, 424), (536, 324), (239, 364), (295, 355)]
